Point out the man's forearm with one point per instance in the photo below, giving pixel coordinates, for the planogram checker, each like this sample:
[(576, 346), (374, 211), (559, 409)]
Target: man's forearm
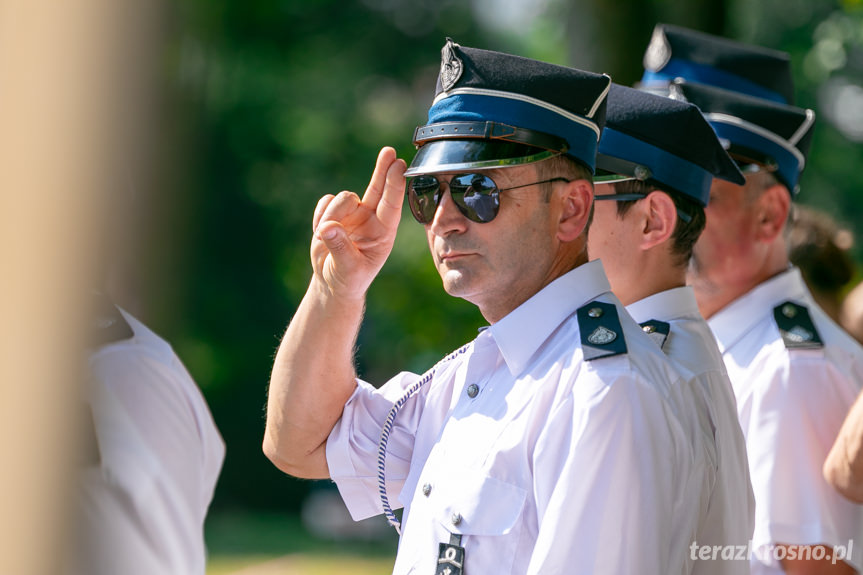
[(313, 376), (844, 465)]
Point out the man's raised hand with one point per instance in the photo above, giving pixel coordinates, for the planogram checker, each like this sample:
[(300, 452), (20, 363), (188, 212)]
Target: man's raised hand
[(353, 237)]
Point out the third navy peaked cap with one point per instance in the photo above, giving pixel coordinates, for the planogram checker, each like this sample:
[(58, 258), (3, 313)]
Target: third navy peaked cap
[(755, 131), (494, 110), (665, 141), (675, 52)]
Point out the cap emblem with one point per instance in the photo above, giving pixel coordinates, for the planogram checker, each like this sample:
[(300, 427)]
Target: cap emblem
[(451, 66), (658, 52)]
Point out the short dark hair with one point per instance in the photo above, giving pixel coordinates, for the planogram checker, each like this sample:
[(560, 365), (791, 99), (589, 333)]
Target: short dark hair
[(563, 166), (686, 233)]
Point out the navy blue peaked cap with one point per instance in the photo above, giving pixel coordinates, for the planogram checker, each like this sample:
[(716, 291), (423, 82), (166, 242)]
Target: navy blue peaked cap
[(663, 141), (676, 52), (494, 110), (755, 131)]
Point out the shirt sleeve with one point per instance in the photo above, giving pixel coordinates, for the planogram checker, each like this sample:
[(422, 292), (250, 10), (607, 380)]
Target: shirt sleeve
[(162, 402), (795, 417), (160, 456), (352, 446), (608, 469)]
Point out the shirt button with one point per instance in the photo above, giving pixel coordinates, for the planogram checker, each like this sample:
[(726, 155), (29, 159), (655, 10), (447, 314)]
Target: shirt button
[(456, 518), (472, 390), (427, 489)]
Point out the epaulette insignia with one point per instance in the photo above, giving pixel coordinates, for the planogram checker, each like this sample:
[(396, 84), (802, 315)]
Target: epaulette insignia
[(601, 334), (108, 325), (796, 327), (656, 330)]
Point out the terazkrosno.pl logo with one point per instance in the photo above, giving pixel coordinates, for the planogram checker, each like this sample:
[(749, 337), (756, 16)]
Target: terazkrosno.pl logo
[(771, 552)]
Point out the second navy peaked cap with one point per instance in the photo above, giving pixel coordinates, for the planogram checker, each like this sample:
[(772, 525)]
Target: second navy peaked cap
[(755, 131), (494, 110), (668, 142), (676, 52)]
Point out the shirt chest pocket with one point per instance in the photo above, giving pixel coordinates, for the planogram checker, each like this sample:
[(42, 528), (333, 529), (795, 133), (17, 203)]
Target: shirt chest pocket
[(489, 515)]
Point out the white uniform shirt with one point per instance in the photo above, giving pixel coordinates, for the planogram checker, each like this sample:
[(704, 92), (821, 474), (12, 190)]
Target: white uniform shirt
[(142, 509), (727, 511), (556, 465), (791, 404)]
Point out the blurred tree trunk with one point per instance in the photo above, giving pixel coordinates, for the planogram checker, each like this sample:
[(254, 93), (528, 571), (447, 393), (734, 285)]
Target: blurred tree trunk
[(611, 37)]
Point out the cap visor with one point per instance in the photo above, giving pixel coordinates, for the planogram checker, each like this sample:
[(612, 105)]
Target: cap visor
[(457, 155)]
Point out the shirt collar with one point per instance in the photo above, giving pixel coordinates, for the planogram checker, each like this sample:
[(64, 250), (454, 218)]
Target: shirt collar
[(666, 305), (521, 333), (736, 319)]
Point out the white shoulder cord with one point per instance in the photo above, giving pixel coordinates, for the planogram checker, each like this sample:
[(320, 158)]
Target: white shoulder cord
[(387, 429)]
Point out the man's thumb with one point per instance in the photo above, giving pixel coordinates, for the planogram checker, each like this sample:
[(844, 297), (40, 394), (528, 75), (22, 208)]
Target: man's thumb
[(335, 238)]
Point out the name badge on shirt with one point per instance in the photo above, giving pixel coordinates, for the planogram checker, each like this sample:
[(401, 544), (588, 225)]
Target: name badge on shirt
[(451, 557)]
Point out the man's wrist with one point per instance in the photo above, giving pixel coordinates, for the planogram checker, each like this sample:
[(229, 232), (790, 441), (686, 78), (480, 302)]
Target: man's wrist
[(328, 296)]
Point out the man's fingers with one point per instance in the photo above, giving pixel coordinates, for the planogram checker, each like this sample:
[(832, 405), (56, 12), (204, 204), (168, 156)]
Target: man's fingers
[(389, 210), (375, 190), (340, 246), (339, 208), (320, 209)]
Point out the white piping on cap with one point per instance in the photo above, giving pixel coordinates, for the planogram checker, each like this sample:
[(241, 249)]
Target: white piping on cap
[(804, 127), (764, 133), (601, 97), (527, 99)]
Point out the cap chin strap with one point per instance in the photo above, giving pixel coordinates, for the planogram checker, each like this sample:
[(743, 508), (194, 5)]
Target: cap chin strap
[(612, 178), (489, 131)]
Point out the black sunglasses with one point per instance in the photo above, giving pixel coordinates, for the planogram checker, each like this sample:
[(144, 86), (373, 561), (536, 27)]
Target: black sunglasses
[(476, 196)]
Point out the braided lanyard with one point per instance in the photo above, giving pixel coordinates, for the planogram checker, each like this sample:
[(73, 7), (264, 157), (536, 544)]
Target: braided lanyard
[(387, 429)]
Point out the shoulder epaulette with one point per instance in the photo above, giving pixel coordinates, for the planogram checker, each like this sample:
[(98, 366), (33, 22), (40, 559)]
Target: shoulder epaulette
[(601, 334), (656, 330), (796, 327), (108, 323)]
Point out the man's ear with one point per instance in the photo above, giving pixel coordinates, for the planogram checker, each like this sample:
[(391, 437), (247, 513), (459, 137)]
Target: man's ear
[(576, 202), (772, 208), (659, 216)]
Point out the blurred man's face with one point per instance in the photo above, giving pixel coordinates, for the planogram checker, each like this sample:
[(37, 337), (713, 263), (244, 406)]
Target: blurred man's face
[(723, 255)]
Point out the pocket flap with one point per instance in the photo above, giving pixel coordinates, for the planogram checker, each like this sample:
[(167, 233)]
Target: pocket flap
[(476, 504)]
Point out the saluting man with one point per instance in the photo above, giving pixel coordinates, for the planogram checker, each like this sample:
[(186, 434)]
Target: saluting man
[(548, 444), (795, 373), (656, 162)]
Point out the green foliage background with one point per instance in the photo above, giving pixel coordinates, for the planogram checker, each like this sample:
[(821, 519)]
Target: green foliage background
[(269, 104)]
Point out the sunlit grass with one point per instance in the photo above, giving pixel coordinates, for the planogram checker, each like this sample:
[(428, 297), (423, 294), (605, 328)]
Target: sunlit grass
[(300, 565), (275, 544)]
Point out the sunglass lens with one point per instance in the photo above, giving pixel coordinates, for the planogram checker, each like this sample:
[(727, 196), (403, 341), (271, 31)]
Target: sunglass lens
[(423, 194), (476, 195)]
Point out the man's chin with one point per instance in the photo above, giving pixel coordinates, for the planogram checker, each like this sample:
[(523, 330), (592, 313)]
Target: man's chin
[(455, 283), (699, 279)]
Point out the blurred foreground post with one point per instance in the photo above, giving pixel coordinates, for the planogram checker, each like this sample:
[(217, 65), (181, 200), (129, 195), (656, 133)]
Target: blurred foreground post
[(59, 95)]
